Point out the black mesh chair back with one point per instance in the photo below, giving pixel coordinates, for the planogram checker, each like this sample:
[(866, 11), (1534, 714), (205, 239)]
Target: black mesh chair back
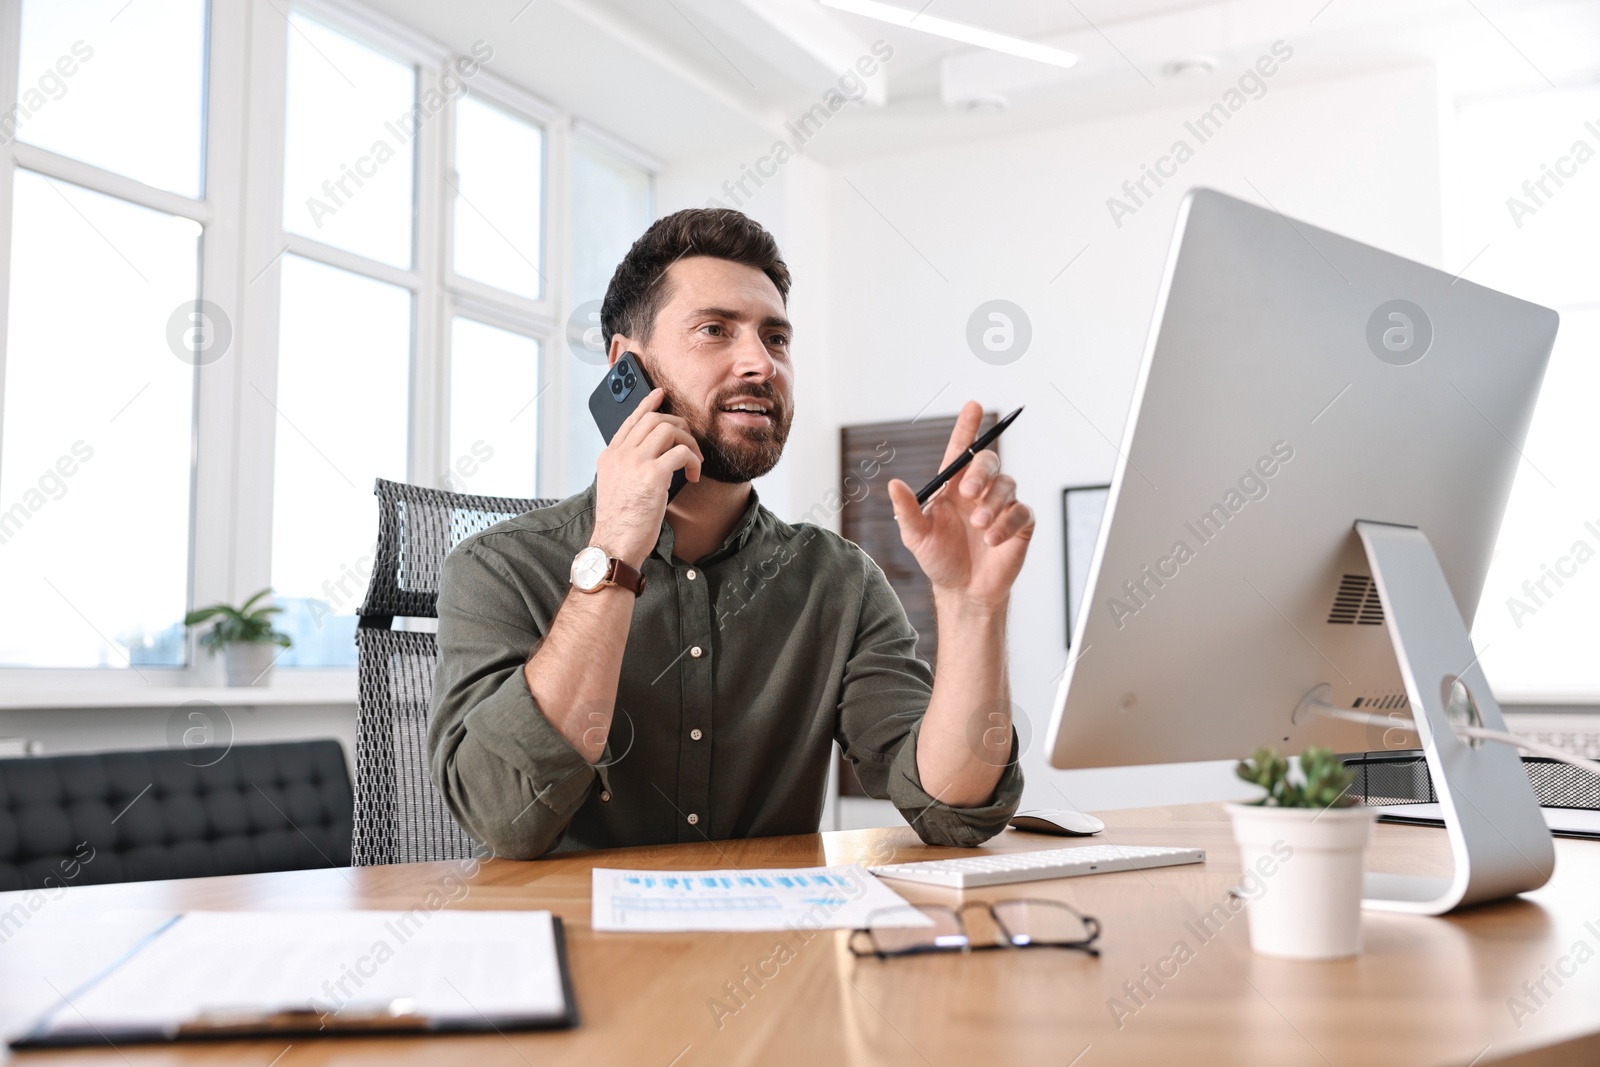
[(399, 816)]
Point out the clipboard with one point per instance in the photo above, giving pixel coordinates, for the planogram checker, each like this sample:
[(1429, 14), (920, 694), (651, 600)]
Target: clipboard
[(202, 976)]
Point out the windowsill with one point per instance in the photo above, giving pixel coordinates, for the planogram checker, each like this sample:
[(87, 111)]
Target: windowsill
[(311, 688)]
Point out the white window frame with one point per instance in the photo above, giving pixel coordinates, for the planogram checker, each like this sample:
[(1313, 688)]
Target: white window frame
[(243, 242), (215, 211), (535, 319)]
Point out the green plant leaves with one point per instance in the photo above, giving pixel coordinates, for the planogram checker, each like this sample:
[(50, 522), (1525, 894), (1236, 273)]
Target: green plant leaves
[(1322, 782), (244, 623)]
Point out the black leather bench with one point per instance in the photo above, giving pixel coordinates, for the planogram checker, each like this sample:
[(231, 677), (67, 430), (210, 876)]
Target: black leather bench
[(135, 816)]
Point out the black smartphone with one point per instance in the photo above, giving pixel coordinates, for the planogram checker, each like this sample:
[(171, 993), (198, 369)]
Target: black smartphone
[(616, 397)]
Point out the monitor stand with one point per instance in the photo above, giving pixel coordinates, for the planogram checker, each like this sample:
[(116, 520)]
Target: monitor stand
[(1498, 836)]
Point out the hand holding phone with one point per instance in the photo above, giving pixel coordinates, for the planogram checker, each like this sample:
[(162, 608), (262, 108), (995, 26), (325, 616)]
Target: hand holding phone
[(649, 456)]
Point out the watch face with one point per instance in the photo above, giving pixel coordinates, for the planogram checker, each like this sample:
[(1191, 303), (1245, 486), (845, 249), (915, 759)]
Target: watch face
[(589, 568)]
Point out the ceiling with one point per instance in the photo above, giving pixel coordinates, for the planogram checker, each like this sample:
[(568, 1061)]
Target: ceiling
[(676, 77)]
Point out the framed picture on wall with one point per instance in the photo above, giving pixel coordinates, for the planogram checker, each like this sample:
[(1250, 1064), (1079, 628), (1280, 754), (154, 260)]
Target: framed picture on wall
[(1082, 508)]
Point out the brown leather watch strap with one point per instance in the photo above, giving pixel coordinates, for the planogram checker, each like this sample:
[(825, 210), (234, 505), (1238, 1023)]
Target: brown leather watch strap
[(625, 575)]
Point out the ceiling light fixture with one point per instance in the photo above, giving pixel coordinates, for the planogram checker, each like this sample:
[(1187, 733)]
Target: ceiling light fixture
[(955, 31)]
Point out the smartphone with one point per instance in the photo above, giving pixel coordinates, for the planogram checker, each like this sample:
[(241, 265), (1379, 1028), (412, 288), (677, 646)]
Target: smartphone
[(615, 398)]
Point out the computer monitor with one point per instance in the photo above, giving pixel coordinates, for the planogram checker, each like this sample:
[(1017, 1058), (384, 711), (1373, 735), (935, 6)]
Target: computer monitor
[(1297, 383)]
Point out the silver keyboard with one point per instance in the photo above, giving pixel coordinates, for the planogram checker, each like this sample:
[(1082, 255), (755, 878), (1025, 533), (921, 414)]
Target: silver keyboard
[(1577, 733), (1001, 868)]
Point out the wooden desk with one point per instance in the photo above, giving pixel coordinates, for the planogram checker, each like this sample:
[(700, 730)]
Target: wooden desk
[(1425, 991)]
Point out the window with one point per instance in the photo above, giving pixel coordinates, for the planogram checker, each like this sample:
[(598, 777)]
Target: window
[(500, 293), (612, 204), (78, 62), (367, 385), (313, 249), (1529, 204), (349, 144), (97, 431), (99, 373), (499, 198), (344, 359), (341, 403), (494, 411)]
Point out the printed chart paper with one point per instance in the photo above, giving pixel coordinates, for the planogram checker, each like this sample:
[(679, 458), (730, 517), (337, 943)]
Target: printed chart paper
[(811, 898)]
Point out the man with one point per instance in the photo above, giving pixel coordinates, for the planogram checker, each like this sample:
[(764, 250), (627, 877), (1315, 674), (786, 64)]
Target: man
[(575, 709)]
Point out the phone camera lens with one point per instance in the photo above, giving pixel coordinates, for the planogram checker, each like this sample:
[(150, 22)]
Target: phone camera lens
[(616, 385), (631, 381)]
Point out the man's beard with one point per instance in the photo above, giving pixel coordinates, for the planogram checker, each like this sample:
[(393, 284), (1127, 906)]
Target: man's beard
[(732, 454)]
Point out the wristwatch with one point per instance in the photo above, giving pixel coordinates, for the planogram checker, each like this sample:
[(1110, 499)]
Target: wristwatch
[(593, 569)]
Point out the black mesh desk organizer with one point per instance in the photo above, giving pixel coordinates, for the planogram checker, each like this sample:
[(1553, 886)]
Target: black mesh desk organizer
[(399, 816), (1402, 778)]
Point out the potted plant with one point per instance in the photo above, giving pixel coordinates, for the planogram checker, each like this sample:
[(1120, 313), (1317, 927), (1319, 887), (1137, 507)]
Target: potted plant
[(1303, 848), (245, 635)]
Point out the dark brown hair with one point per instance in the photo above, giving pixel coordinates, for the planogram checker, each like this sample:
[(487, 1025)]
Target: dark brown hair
[(638, 289)]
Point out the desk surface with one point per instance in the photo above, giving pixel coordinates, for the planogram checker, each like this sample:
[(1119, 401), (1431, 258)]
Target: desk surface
[(1425, 991)]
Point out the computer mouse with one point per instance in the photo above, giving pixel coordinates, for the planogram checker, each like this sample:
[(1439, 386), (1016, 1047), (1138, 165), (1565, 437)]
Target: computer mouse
[(1061, 821)]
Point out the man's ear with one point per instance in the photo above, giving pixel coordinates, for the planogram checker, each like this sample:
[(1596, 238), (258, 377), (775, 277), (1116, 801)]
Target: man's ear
[(619, 345)]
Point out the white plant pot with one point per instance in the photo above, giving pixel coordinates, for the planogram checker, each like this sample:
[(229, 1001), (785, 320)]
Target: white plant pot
[(1302, 878), (248, 662)]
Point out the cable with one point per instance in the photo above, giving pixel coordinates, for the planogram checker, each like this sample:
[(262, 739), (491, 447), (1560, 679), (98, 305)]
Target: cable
[(1536, 747)]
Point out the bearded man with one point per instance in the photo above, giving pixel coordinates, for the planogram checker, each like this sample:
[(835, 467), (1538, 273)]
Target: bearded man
[(621, 669)]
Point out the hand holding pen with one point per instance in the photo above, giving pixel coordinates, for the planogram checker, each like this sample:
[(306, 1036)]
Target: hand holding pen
[(970, 540)]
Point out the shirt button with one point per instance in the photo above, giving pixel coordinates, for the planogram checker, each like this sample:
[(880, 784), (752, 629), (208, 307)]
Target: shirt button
[(691, 574), (695, 735), (694, 819), (605, 794), (695, 652)]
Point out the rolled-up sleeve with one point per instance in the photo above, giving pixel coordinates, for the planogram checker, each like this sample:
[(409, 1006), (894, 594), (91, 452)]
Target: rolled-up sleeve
[(509, 777), (883, 698)]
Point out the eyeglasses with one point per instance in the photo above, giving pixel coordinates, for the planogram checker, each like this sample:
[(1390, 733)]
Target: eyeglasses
[(1017, 923)]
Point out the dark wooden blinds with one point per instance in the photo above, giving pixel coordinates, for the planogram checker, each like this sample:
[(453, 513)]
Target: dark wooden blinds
[(870, 455)]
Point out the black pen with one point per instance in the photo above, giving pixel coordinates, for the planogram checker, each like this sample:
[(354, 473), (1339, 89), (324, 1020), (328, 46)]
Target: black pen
[(984, 440)]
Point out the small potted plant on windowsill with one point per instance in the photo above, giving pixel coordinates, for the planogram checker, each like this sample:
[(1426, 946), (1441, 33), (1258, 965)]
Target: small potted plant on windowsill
[(246, 637), (1303, 849)]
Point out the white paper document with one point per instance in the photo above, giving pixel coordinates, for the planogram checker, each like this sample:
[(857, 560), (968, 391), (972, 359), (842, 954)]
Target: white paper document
[(449, 966), (811, 898)]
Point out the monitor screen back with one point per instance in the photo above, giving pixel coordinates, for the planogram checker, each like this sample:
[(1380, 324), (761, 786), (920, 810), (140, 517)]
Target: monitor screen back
[(1295, 382)]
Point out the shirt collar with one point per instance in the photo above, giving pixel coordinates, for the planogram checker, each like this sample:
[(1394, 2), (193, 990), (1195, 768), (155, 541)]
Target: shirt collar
[(740, 535), (736, 539)]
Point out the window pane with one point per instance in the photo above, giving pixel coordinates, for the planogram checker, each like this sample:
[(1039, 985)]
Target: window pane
[(344, 359), (611, 207), (612, 204), (97, 432), (350, 131), (79, 64), (494, 411), (499, 202)]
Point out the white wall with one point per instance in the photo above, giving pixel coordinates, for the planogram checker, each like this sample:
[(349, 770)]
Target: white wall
[(1000, 219), (70, 730)]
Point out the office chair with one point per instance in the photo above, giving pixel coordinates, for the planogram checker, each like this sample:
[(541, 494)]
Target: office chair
[(399, 816)]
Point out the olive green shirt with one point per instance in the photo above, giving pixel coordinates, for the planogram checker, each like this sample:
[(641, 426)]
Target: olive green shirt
[(741, 670)]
